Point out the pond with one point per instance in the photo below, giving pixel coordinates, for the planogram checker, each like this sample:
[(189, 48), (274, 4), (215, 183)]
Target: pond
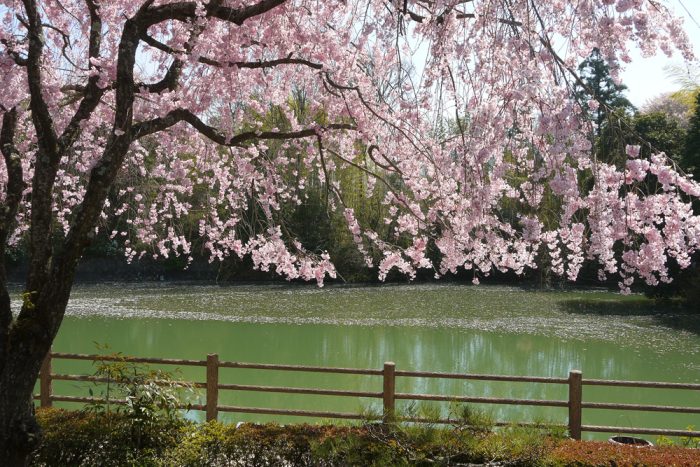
[(429, 327)]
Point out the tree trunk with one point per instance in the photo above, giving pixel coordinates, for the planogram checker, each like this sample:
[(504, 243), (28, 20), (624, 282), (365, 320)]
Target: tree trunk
[(29, 339), (20, 434)]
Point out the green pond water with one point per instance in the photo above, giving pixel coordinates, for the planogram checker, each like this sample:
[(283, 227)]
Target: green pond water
[(445, 328)]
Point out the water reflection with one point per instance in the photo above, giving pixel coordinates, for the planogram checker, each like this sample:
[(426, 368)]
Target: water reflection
[(411, 348)]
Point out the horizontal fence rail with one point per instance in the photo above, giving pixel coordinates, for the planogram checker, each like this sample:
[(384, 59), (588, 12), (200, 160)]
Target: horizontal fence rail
[(574, 403)]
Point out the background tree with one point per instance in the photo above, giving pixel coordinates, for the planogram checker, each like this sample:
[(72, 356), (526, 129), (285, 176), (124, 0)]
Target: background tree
[(690, 159), (653, 132), (163, 92), (658, 132), (678, 106), (599, 86)]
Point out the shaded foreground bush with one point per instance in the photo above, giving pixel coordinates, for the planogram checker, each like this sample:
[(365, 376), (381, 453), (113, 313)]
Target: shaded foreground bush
[(99, 439)]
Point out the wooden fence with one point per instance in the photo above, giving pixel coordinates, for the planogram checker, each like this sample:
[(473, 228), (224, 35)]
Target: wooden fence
[(575, 383)]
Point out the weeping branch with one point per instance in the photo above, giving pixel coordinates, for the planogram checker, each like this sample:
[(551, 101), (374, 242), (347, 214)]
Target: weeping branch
[(288, 60)]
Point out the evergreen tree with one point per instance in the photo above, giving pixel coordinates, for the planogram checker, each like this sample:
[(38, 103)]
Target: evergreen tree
[(600, 86), (690, 160)]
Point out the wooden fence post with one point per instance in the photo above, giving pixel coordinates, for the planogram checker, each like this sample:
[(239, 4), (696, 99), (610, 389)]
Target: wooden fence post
[(389, 392), (212, 386), (45, 381), (575, 397)]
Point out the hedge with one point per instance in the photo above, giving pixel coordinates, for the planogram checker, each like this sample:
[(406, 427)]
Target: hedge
[(73, 438)]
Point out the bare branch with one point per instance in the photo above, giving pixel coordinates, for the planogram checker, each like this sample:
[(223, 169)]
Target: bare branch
[(149, 127), (341, 87)]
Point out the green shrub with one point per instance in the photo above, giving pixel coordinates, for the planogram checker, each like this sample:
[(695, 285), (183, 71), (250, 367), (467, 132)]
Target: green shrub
[(215, 443), (373, 445), (684, 441), (148, 397), (108, 439), (425, 444), (101, 439), (517, 445)]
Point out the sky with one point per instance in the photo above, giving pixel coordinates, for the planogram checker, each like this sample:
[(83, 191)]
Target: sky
[(645, 77)]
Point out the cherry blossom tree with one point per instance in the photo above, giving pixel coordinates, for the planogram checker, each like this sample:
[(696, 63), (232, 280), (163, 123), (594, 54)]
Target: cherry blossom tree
[(98, 93), (678, 106)]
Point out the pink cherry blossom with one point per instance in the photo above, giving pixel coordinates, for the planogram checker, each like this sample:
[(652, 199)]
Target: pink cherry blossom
[(457, 113)]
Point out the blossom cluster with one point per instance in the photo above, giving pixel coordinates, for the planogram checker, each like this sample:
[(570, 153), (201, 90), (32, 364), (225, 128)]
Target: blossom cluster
[(458, 113)]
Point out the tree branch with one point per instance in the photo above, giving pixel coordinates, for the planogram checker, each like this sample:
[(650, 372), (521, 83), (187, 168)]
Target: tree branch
[(14, 55), (439, 19), (172, 76), (105, 170), (45, 131), (92, 93), (341, 87), (288, 60), (173, 117), (185, 11), (15, 181), (13, 196), (47, 158), (95, 29)]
